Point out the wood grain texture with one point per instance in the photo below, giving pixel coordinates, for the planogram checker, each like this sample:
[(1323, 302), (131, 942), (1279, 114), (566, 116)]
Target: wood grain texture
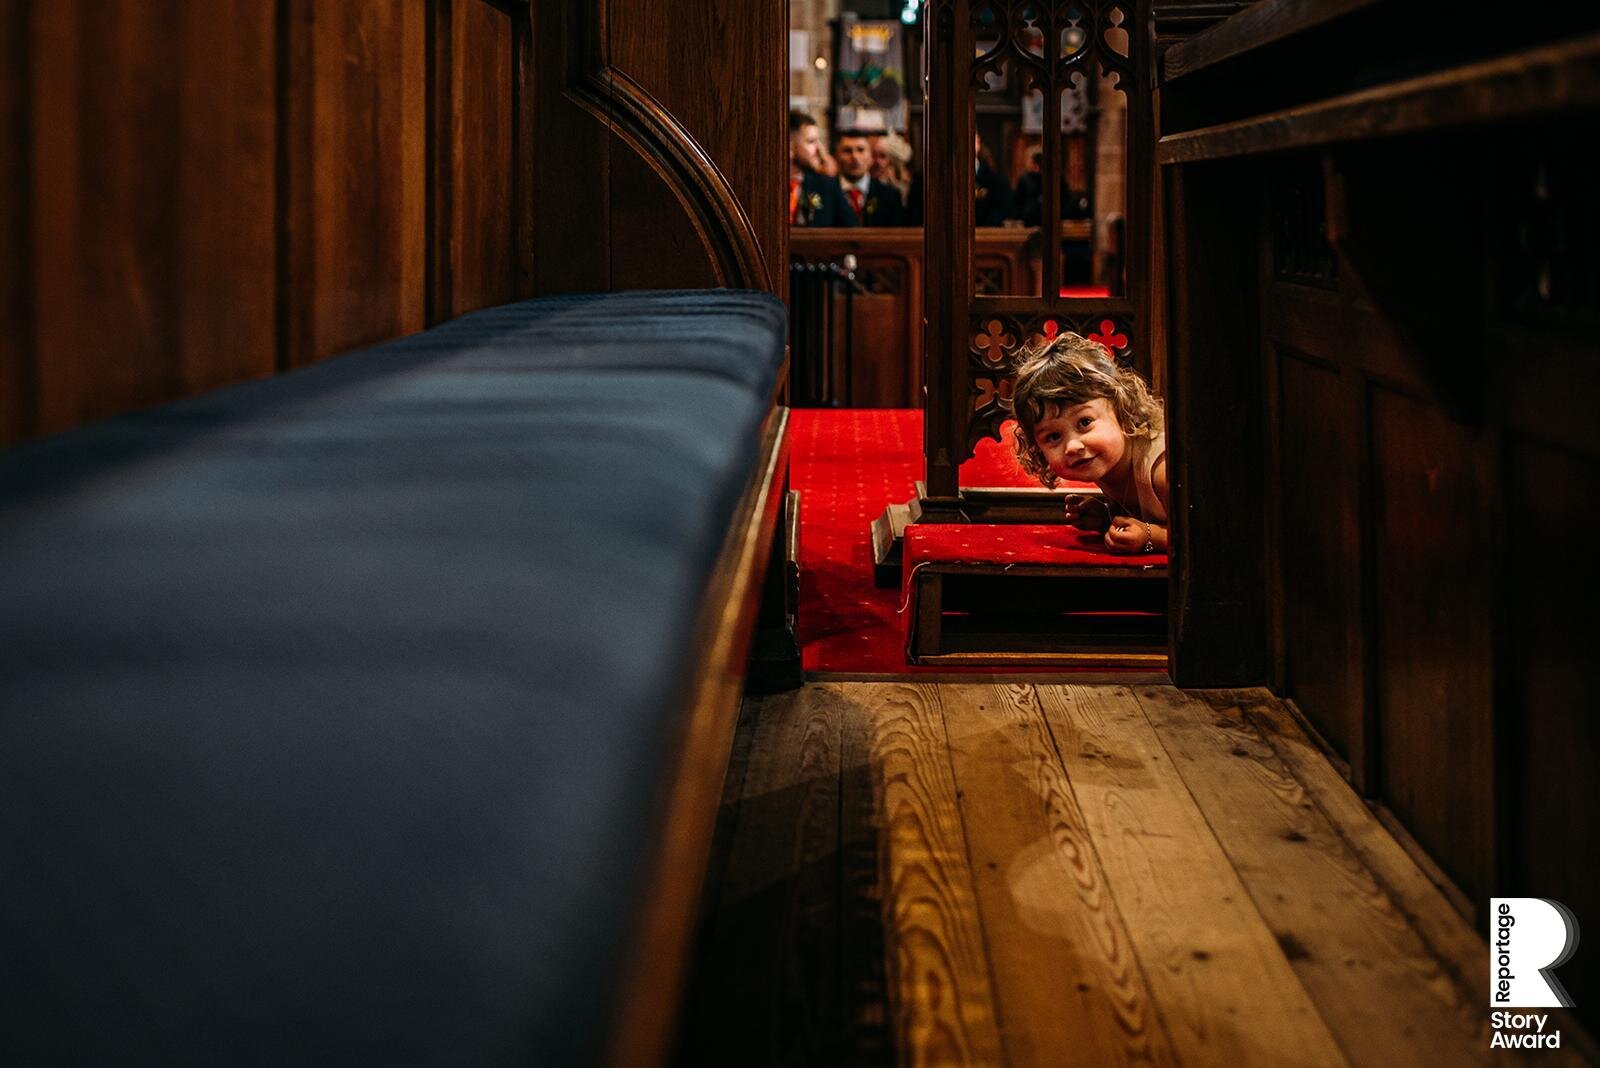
[(660, 245), (1236, 899), (1432, 637), (886, 329), (733, 110), (1320, 544), (1225, 991), (1460, 949), (481, 136), (670, 170), (364, 240), (198, 194), (151, 188), (1070, 988), (1255, 27), (1540, 81), (864, 959), (1382, 991), (941, 996)]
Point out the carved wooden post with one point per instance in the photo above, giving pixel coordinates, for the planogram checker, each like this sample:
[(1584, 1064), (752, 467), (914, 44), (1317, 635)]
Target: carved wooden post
[(974, 340)]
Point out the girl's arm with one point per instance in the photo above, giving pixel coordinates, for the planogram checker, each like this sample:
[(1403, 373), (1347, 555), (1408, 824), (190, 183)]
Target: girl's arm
[(1130, 535)]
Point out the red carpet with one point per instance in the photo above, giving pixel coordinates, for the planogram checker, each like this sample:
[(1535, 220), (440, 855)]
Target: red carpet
[(850, 464)]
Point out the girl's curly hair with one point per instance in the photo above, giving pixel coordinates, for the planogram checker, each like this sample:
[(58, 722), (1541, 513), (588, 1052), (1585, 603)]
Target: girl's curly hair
[(1071, 370)]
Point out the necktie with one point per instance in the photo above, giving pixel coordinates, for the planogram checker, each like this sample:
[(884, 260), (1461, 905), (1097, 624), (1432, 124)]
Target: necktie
[(856, 197)]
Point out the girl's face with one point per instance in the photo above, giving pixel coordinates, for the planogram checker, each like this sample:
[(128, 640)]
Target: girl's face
[(1084, 442)]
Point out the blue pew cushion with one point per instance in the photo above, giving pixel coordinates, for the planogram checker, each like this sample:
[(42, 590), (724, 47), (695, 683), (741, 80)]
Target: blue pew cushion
[(334, 705)]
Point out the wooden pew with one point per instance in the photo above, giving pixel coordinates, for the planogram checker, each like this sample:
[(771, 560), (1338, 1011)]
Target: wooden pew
[(886, 332), (1369, 274), (204, 195)]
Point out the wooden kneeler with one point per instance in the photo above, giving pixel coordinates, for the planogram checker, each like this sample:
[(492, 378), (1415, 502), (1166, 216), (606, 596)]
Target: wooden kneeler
[(984, 594)]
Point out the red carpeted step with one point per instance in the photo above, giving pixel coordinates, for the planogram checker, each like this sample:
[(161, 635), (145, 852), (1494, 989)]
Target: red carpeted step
[(1016, 543), (850, 464), (978, 593)]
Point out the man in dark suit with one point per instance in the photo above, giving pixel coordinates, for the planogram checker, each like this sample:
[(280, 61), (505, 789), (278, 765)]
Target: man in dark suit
[(814, 198), (875, 203)]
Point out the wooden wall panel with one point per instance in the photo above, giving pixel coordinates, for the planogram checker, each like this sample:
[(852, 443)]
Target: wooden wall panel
[(194, 193), (1552, 552), (662, 135), (16, 386), (735, 107), (357, 212), (226, 190), (1217, 432), (481, 127), (1320, 549), (153, 251), (656, 244), (1433, 637), (887, 327)]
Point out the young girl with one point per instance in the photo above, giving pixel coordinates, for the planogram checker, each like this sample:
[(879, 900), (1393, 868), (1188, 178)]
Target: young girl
[(1082, 418)]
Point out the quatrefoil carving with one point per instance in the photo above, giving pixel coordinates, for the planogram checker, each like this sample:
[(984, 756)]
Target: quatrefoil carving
[(993, 342)]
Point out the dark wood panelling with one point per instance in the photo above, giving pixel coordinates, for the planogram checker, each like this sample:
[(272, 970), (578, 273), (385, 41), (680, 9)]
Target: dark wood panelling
[(481, 128), (656, 243), (570, 185), (105, 158), (1453, 419), (1320, 549), (152, 202), (1215, 432), (1433, 654), (656, 167), (199, 193), (1553, 545), (358, 209), (734, 109), (227, 242), (16, 386)]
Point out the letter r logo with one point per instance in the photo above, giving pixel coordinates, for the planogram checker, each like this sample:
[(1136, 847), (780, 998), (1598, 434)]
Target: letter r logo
[(1529, 937)]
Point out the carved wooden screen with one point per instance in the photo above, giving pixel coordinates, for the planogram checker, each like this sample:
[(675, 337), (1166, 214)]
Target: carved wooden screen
[(974, 337)]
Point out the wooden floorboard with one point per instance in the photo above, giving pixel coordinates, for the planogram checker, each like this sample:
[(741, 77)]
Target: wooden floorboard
[(1376, 984), (941, 999), (1069, 987), (1225, 991), (1009, 872), (1461, 952), (864, 960), (770, 953)]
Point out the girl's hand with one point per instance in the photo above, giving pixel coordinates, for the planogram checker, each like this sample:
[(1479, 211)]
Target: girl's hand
[(1129, 536), (1087, 513)]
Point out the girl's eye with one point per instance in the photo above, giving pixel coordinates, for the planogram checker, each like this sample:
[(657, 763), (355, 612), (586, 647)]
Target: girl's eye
[(1085, 423)]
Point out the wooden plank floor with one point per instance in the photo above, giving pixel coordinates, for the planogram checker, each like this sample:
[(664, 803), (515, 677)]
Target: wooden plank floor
[(919, 873)]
